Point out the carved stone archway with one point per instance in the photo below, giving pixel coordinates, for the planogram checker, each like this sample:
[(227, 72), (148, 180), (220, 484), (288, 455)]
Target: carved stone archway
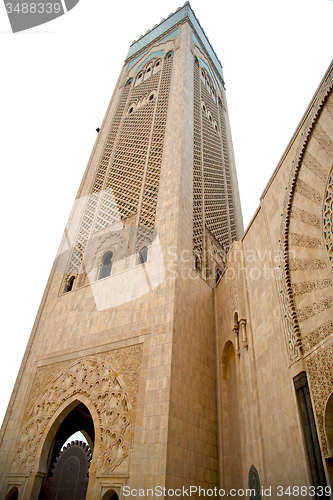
[(93, 383)]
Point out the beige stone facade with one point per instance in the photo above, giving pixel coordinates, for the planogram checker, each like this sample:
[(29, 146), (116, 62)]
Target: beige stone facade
[(188, 355)]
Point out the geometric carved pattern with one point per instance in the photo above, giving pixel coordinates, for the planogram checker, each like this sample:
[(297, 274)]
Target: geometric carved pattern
[(304, 264), (320, 366), (310, 286), (129, 166), (301, 240), (304, 216), (126, 172), (229, 185), (127, 361), (98, 382), (328, 219), (323, 140), (317, 335), (151, 182), (213, 199), (308, 191), (97, 186), (214, 175), (315, 308), (312, 164), (198, 226)]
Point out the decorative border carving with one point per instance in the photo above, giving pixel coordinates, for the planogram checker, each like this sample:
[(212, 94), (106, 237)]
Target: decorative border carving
[(328, 218), (293, 330)]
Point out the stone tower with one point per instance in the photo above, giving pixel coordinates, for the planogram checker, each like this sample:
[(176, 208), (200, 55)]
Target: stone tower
[(123, 346)]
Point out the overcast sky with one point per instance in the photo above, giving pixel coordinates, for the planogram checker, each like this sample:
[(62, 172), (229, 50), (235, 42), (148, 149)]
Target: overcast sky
[(57, 80)]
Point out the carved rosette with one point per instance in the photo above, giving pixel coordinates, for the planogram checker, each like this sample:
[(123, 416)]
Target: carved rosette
[(98, 382)]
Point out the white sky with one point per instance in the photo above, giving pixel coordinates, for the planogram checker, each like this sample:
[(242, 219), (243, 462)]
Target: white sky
[(56, 82)]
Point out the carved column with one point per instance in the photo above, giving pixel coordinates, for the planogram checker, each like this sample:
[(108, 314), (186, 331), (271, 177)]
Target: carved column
[(236, 330), (242, 323)]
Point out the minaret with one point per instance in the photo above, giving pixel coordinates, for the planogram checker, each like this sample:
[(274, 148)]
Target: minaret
[(123, 344)]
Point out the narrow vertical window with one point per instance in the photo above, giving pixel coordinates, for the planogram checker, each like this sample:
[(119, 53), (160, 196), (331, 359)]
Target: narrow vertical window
[(70, 284), (106, 266), (143, 255)]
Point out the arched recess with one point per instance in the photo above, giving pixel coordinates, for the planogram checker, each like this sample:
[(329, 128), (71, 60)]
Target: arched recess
[(12, 494), (230, 420), (110, 495)]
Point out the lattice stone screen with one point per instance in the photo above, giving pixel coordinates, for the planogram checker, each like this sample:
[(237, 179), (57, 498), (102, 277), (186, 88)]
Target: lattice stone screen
[(127, 178)]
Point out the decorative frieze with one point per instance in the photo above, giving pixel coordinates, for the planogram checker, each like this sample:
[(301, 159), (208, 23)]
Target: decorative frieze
[(310, 286), (302, 240), (305, 264), (304, 216)]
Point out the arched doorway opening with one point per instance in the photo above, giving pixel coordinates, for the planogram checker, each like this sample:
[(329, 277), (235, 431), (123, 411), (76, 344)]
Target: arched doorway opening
[(110, 495), (12, 494), (67, 474)]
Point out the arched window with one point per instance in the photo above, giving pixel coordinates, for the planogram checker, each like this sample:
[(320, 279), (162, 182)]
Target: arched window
[(70, 284), (169, 54), (218, 275), (105, 270), (143, 255), (139, 78), (197, 263), (128, 82), (196, 60)]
